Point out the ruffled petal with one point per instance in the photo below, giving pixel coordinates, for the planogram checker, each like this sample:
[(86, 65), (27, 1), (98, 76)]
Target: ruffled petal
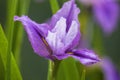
[(69, 11), (106, 13), (85, 56), (36, 34)]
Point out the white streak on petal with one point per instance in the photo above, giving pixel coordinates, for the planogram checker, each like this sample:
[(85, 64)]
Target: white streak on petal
[(71, 33), (60, 28), (55, 43)]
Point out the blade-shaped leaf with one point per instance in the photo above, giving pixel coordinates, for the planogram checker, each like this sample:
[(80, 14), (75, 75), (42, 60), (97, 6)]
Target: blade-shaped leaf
[(68, 70), (2, 70), (3, 45), (3, 49), (15, 73), (81, 69)]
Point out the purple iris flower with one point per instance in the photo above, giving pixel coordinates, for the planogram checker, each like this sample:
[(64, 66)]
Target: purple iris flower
[(105, 12), (109, 70), (58, 38)]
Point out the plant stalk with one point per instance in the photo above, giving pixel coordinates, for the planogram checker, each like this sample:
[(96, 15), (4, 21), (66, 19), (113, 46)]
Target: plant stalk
[(22, 9), (11, 9), (53, 69)]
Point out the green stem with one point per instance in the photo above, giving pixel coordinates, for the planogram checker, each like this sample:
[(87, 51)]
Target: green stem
[(11, 9), (53, 66), (53, 69), (23, 6), (54, 6), (83, 74)]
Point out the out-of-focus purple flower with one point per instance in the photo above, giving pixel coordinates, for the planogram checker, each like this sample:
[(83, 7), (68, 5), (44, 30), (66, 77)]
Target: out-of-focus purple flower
[(109, 70), (106, 13), (58, 38)]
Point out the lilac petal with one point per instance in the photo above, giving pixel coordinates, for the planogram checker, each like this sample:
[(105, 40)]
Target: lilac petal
[(72, 37), (106, 13), (41, 28), (68, 11), (85, 56), (109, 70), (61, 56), (60, 28), (35, 36), (56, 35), (55, 43)]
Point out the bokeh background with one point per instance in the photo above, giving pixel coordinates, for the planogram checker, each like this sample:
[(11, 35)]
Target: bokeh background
[(34, 67)]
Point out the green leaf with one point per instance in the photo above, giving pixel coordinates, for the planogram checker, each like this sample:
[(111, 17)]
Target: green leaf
[(3, 46), (2, 70), (81, 69), (15, 73), (68, 70), (3, 51)]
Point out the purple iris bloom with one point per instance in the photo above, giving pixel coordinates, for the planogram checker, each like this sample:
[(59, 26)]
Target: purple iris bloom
[(105, 12), (109, 70), (58, 38)]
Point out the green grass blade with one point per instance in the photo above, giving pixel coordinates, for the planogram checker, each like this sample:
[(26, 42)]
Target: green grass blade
[(15, 73), (22, 9), (3, 46), (3, 51), (11, 9)]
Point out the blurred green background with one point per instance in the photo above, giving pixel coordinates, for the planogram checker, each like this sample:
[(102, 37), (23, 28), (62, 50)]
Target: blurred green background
[(34, 67)]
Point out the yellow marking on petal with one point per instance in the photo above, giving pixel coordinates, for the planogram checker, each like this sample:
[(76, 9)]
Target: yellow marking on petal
[(70, 52), (45, 42), (47, 46)]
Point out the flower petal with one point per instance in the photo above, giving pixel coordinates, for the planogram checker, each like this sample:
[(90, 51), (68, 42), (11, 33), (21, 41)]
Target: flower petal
[(60, 28), (72, 37), (85, 56), (68, 11), (109, 70), (41, 28), (61, 56), (56, 35), (55, 43), (35, 36), (106, 13)]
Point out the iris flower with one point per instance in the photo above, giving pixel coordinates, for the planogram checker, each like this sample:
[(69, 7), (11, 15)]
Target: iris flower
[(57, 39), (109, 70), (105, 12)]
